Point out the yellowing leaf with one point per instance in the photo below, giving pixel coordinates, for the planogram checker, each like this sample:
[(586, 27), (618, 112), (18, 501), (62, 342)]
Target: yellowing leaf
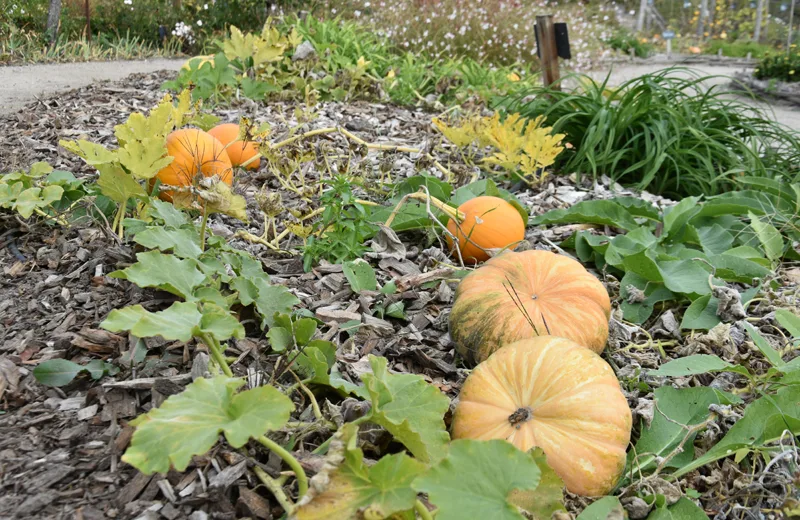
[(90, 152), (158, 123), (218, 197), (145, 158), (348, 489), (461, 136), (117, 185), (548, 496)]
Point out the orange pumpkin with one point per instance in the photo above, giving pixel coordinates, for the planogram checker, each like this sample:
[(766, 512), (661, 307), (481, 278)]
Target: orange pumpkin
[(490, 223), (551, 393), (195, 152), (240, 152), (560, 297)]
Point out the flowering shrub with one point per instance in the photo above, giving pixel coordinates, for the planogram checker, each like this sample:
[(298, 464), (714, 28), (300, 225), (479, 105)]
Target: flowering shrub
[(500, 31), (781, 66)]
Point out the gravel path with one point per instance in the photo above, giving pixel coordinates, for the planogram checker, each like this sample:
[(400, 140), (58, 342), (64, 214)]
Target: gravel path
[(22, 84)]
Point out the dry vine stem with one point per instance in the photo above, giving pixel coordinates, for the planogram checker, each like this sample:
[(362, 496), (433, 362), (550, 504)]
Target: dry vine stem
[(344, 132)]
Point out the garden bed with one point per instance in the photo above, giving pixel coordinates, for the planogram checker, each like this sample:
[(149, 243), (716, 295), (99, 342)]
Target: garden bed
[(60, 447)]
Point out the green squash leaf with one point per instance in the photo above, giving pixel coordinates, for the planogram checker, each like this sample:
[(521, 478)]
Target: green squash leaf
[(476, 479), (410, 409), (189, 423)]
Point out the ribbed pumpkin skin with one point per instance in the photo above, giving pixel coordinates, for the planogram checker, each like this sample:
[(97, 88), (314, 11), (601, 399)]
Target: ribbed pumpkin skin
[(491, 223), (484, 317), (239, 152), (578, 414), (194, 152)]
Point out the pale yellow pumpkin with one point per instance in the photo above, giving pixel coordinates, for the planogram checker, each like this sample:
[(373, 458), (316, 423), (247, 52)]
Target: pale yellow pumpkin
[(559, 296), (551, 393)]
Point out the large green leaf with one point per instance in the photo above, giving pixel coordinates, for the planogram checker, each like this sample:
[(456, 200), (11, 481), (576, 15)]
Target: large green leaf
[(60, 372), (477, 478), (685, 276), (714, 239), (185, 242), (272, 299), (769, 237), (765, 420), (696, 364), (94, 154), (789, 321), (189, 423), (352, 490), (732, 268), (676, 217), (181, 321), (547, 498), (410, 409), (168, 213), (604, 212), (701, 314), (675, 407), (166, 272), (607, 508), (146, 157), (683, 509), (772, 355)]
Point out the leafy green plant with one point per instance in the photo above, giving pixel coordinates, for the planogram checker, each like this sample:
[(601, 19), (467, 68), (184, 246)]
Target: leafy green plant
[(40, 190), (626, 42), (779, 66), (664, 132), (682, 413), (738, 49), (687, 252), (343, 229), (350, 62)]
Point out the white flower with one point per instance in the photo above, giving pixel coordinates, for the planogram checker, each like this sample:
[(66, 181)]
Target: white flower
[(205, 7), (357, 13), (199, 23)]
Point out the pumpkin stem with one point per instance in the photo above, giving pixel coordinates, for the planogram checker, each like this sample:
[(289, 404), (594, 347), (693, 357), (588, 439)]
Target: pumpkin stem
[(521, 416)]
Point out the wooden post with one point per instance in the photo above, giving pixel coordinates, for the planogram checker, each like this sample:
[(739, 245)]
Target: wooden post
[(88, 21), (548, 53)]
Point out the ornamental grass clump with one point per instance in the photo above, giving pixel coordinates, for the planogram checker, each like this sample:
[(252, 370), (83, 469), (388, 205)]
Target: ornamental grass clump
[(667, 132)]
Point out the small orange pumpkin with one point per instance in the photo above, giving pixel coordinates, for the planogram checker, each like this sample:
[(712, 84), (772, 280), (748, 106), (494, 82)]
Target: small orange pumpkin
[(489, 223), (560, 297), (551, 393), (240, 152), (194, 152)]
